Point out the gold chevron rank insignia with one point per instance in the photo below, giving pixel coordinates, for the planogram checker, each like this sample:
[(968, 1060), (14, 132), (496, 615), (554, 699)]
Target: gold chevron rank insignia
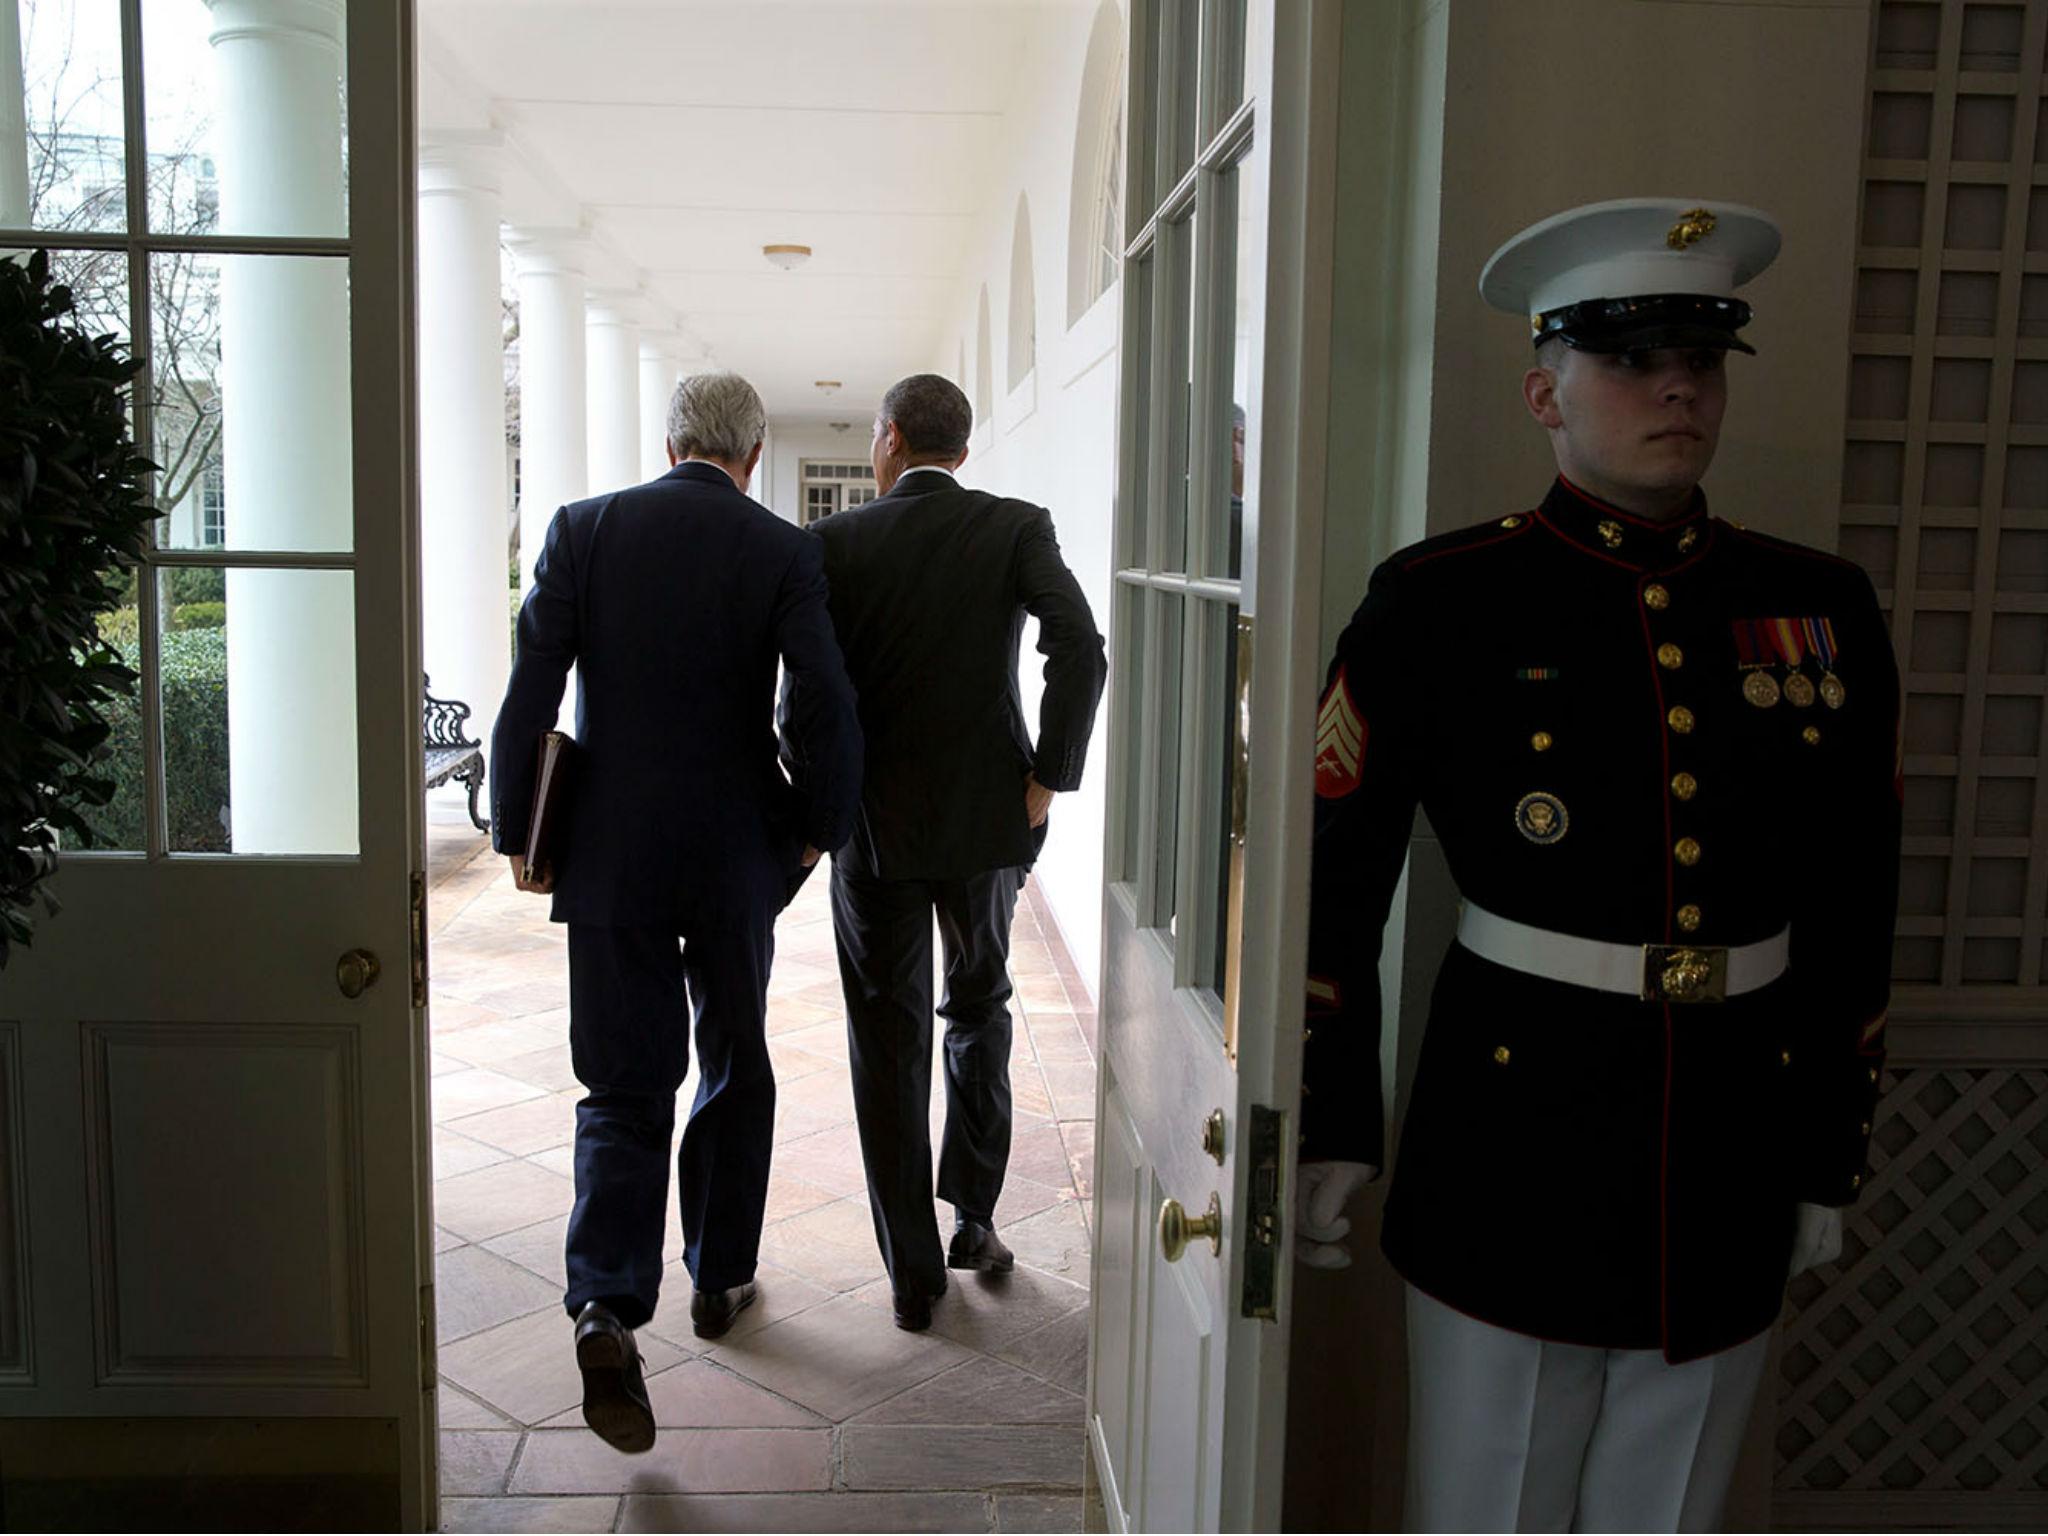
[(1340, 742)]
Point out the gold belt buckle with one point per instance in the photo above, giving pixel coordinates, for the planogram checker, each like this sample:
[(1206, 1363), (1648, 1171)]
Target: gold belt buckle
[(1684, 973)]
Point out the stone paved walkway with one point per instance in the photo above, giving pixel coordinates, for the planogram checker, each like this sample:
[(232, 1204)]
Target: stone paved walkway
[(815, 1413)]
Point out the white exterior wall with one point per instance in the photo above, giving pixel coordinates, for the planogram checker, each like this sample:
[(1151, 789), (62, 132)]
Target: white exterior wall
[(1051, 440)]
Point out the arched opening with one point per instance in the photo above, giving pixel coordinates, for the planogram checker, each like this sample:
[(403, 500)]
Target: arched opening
[(1095, 216), (984, 367), (1023, 352)]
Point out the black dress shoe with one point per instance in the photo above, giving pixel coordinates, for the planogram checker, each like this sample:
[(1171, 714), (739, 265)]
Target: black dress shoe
[(977, 1247), (614, 1391), (712, 1312), (913, 1309)]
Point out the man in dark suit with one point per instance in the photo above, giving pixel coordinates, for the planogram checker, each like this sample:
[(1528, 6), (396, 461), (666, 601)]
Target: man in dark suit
[(674, 600), (931, 584)]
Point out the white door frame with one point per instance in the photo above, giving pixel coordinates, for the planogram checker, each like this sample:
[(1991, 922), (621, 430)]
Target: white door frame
[(156, 951)]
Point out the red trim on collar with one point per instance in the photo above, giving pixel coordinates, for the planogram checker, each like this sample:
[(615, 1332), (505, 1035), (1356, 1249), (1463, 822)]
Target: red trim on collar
[(1499, 538)]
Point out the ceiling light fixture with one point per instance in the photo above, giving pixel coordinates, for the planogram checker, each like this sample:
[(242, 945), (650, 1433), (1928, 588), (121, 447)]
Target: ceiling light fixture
[(787, 257), (827, 387), (839, 426)]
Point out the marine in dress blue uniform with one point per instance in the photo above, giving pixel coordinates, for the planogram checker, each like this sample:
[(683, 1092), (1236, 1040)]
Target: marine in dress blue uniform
[(1661, 756)]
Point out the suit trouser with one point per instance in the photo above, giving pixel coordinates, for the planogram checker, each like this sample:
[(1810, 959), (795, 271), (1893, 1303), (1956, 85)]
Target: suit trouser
[(1512, 1433), (884, 934), (632, 995)]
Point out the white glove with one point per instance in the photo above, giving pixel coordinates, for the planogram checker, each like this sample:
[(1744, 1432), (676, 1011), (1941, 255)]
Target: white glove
[(1817, 1239), (1320, 1225)]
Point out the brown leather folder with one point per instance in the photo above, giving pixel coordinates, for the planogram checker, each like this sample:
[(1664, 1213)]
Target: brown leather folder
[(544, 828)]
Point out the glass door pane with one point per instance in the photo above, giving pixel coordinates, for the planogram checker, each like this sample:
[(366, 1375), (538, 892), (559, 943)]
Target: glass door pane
[(246, 118), (258, 691), (77, 164), (250, 373)]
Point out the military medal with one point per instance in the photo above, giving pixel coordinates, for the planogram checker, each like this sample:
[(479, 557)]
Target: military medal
[(1541, 818), (1751, 655), (1820, 639), (1799, 690)]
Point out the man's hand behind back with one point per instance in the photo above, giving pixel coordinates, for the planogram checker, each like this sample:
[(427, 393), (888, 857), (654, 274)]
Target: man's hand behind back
[(1037, 800)]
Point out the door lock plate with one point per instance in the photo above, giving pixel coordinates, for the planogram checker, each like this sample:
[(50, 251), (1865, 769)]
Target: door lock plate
[(1261, 1296)]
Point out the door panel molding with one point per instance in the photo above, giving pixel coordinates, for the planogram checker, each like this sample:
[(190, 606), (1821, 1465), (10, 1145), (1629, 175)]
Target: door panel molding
[(181, 1293)]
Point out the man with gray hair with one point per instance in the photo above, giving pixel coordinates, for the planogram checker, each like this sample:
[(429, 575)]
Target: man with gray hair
[(675, 601)]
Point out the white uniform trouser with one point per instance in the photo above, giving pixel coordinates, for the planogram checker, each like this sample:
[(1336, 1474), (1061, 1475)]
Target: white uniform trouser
[(1512, 1433)]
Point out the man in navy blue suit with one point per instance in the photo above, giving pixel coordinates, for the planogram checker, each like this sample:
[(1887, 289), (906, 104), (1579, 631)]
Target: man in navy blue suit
[(674, 600)]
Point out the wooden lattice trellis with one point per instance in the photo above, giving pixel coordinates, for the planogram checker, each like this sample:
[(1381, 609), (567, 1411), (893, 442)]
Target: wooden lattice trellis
[(1914, 1373), (1920, 1360)]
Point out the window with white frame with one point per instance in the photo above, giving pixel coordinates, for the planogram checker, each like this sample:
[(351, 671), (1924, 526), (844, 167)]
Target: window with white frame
[(213, 507), (833, 485)]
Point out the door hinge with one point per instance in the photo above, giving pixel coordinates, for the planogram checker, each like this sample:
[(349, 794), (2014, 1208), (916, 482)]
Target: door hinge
[(1262, 1145), (428, 1381), (419, 939)]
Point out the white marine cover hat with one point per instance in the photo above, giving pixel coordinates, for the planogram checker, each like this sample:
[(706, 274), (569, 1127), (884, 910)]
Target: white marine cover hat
[(1634, 273)]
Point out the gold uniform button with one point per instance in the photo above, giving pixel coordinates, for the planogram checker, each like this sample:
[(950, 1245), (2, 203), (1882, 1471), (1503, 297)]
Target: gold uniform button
[(1687, 851), (1784, 1058), (1680, 719), (1811, 735), (1866, 1128), (1856, 1181), (1541, 741), (1670, 657), (1684, 785), (1500, 1055), (1511, 522), (1656, 597), (1689, 918), (1873, 1074)]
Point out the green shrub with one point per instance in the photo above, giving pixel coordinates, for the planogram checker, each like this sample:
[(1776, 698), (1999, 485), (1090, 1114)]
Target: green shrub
[(195, 584), (119, 627), (72, 515), (199, 616), (195, 673)]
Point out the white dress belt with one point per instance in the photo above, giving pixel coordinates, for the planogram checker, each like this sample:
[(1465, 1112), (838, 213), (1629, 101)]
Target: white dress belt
[(1675, 973)]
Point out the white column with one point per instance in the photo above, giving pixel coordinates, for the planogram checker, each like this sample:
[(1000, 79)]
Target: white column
[(13, 121), (286, 428), (659, 370), (553, 450), (612, 336), (464, 598)]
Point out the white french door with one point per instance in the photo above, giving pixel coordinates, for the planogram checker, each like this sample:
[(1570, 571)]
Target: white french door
[(212, 1061), (1215, 671)]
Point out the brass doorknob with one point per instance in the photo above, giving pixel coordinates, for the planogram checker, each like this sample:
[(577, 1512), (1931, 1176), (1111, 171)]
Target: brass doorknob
[(1177, 1228), (1212, 1136), (356, 972)]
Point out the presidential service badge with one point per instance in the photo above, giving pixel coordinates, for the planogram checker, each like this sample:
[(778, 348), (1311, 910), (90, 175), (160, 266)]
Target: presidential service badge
[(1541, 818)]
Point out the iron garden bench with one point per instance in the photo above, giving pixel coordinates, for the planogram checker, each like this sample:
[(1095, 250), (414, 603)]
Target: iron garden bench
[(450, 753)]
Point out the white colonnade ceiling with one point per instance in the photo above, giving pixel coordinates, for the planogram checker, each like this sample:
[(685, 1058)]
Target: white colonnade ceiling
[(685, 135)]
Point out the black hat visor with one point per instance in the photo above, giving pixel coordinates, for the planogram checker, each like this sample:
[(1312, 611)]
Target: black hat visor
[(1646, 323)]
